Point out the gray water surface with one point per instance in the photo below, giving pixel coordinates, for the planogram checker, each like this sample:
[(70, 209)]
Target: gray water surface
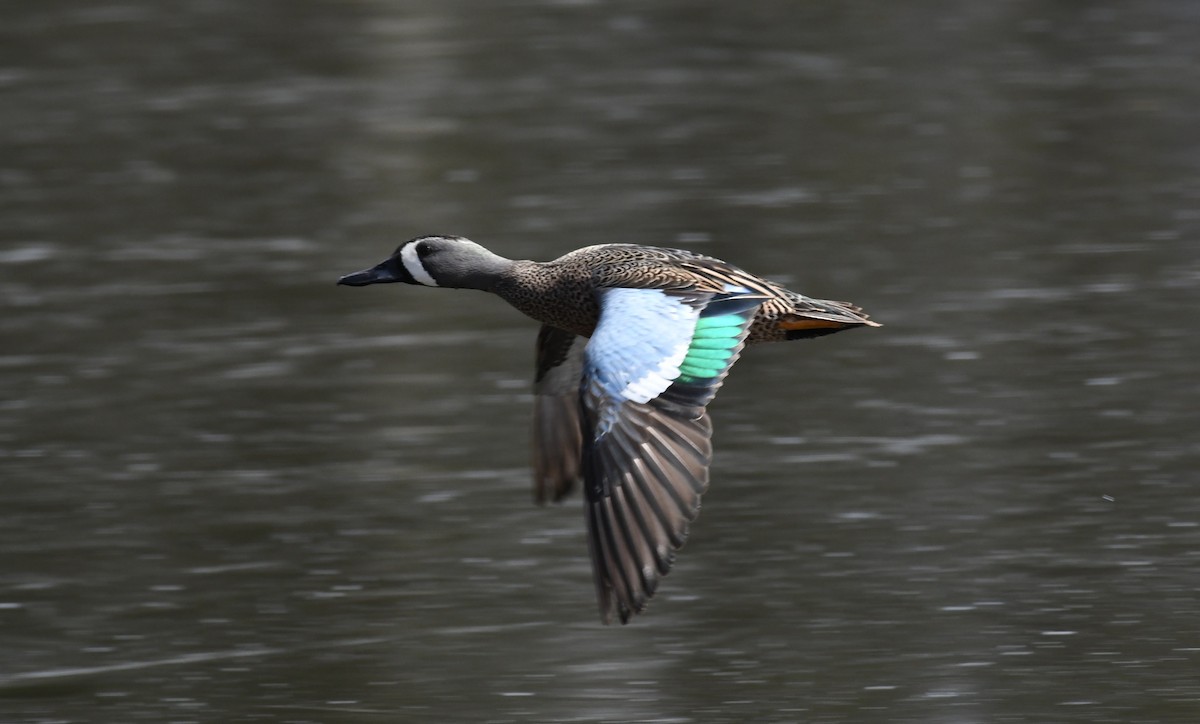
[(230, 491)]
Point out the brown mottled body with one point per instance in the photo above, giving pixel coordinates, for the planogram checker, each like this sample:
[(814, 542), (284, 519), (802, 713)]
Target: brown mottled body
[(562, 293)]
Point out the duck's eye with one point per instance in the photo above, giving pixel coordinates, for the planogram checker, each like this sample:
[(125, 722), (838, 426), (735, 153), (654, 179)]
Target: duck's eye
[(423, 249)]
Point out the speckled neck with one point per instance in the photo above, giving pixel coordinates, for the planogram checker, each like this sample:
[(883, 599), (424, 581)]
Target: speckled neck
[(554, 293)]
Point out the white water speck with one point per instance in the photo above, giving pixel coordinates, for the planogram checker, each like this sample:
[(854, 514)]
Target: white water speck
[(26, 254)]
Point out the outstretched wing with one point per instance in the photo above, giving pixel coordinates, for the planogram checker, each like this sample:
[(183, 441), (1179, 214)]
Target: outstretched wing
[(557, 431), (656, 359)]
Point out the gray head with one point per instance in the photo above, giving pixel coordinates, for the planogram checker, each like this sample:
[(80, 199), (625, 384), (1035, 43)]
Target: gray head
[(435, 261)]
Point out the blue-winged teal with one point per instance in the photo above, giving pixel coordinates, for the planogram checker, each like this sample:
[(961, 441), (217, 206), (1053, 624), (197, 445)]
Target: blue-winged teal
[(635, 341)]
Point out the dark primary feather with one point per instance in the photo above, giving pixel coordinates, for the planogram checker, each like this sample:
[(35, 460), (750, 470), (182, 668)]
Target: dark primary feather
[(557, 428), (644, 479)]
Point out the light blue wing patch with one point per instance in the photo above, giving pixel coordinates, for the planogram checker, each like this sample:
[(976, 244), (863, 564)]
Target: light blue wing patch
[(643, 337), (650, 342)]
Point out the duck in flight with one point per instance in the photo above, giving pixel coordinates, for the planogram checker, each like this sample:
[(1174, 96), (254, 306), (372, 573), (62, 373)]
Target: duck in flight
[(634, 343)]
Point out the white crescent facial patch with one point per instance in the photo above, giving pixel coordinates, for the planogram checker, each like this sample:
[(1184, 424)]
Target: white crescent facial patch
[(412, 264)]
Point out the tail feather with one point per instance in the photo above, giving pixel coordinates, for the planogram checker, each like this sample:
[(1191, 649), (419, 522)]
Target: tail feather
[(817, 317)]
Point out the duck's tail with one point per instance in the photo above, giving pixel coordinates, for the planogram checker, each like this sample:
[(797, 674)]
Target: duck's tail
[(817, 317)]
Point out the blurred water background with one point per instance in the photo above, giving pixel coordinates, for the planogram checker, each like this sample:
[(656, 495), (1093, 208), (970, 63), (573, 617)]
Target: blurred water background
[(230, 491)]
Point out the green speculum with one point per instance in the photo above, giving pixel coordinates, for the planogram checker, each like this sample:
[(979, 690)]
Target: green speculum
[(712, 346)]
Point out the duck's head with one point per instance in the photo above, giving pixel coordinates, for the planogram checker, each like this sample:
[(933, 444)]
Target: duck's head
[(435, 261)]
